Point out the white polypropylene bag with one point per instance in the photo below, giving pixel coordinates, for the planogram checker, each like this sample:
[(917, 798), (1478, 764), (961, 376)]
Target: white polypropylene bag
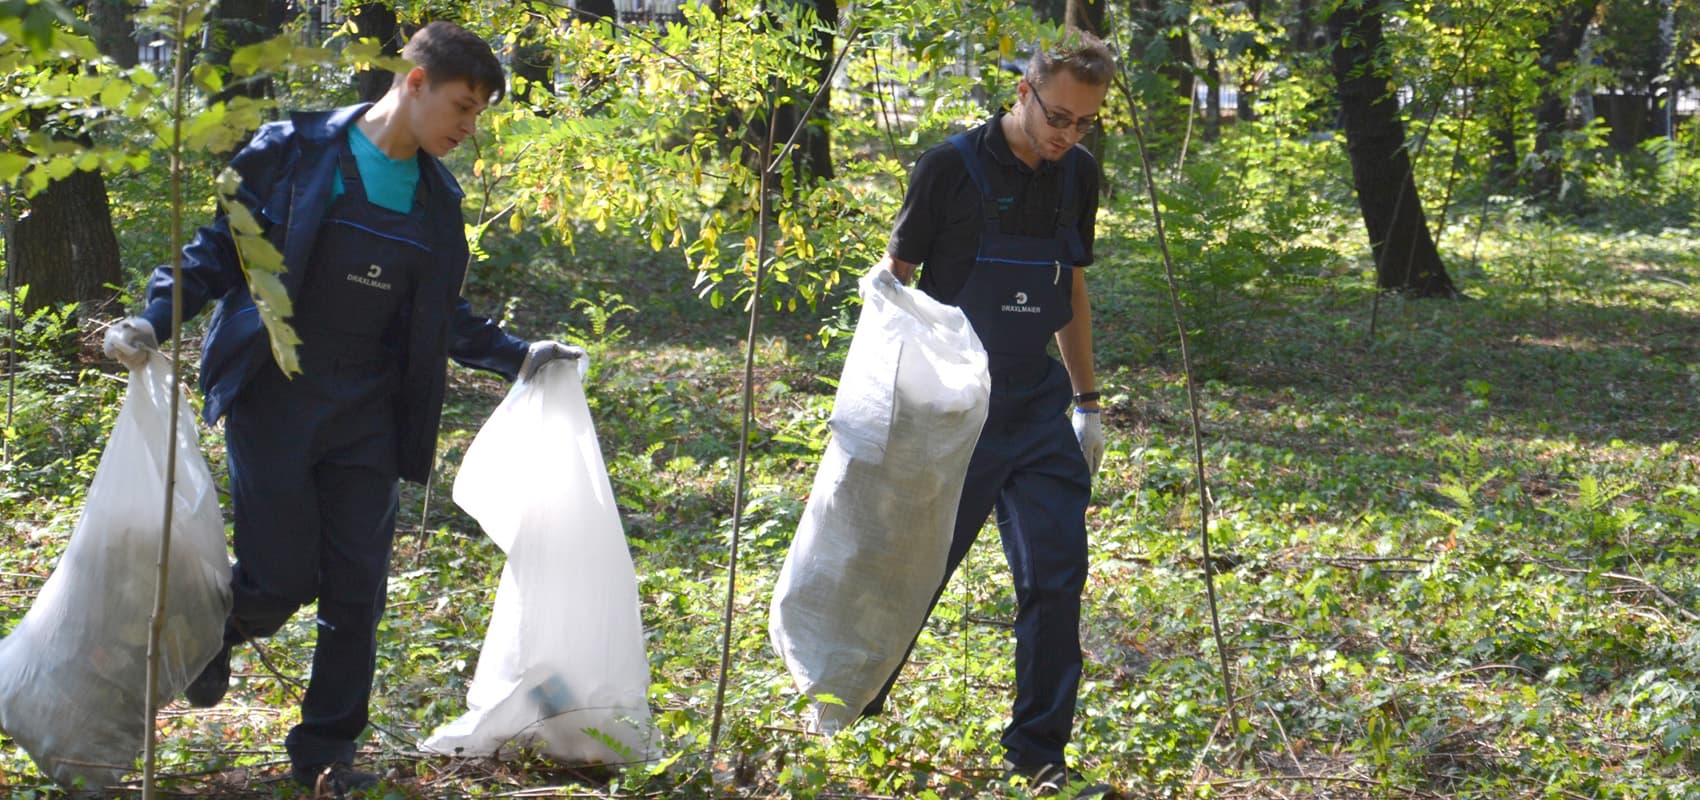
[(73, 673), (562, 669), (871, 546)]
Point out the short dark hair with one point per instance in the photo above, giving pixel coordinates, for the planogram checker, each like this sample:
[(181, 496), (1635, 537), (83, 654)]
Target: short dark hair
[(1085, 56), (448, 53)]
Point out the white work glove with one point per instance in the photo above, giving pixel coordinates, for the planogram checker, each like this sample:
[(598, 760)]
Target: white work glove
[(546, 351), (1089, 429), (129, 341)]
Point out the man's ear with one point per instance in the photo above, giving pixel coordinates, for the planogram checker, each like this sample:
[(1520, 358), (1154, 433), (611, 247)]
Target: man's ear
[(416, 79)]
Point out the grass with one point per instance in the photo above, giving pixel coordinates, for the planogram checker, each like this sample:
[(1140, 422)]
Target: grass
[(1456, 555)]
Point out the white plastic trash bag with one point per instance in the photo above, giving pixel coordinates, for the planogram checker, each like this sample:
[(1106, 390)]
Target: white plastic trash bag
[(562, 668), (871, 546), (73, 674)]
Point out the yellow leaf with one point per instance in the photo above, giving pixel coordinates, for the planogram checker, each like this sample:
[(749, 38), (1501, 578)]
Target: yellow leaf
[(515, 224)]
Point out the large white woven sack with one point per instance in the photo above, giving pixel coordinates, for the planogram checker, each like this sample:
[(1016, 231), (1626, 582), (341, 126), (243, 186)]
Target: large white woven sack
[(73, 673), (562, 669), (871, 546)]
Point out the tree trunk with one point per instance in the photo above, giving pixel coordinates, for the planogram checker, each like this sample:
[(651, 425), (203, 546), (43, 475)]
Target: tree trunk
[(1244, 109), (1305, 36), (813, 160), (1166, 122), (1212, 99), (534, 70), (1088, 16), (1085, 15), (1179, 66), (1628, 117), (1502, 161), (235, 24), (1405, 255), (1557, 48), (67, 250), (376, 21), (114, 31), (590, 12), (811, 155)]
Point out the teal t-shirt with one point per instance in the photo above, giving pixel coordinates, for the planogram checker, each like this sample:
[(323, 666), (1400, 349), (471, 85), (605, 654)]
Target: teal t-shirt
[(389, 183)]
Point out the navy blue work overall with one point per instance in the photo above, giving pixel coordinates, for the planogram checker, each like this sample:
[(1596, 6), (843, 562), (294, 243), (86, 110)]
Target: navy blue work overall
[(313, 472), (1028, 465)]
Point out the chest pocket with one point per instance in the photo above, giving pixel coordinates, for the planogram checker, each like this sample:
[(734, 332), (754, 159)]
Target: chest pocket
[(1019, 292)]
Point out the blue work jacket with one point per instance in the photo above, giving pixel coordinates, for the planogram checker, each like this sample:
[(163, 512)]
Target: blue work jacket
[(288, 171)]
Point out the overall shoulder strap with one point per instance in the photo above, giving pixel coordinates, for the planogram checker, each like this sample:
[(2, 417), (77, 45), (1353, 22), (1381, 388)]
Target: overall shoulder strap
[(1068, 205), (977, 173), (349, 168), (971, 160)]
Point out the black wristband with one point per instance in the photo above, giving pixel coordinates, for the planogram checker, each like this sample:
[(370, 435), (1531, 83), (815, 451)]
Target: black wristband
[(1086, 397)]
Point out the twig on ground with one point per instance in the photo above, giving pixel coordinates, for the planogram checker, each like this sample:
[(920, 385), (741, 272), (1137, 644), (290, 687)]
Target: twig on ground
[(1645, 584)]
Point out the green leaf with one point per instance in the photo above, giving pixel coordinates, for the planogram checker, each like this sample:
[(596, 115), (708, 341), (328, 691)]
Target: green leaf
[(268, 56), (368, 54), (115, 93), (258, 255), (242, 220), (59, 168), (262, 265), (209, 77), (38, 30), (11, 166)]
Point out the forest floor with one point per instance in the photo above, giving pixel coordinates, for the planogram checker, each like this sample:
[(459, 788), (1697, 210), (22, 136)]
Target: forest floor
[(1455, 543)]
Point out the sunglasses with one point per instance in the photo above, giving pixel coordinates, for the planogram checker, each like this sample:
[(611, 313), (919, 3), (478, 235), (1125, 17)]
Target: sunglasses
[(1082, 126)]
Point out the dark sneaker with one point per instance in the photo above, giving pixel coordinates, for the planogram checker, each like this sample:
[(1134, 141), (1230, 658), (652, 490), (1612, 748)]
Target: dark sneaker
[(209, 687), (333, 780), (1056, 780)]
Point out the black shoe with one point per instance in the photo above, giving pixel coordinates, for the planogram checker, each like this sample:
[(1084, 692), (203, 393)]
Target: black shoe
[(1057, 780), (209, 687), (333, 780)]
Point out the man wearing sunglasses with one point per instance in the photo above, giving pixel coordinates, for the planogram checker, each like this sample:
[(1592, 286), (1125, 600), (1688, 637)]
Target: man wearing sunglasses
[(999, 221)]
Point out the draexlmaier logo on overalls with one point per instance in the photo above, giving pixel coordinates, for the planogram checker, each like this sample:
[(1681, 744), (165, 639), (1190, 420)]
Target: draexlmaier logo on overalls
[(1020, 305), (373, 272)]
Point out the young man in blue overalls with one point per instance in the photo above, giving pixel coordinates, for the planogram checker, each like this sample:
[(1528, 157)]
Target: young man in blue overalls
[(1002, 218), (369, 224)]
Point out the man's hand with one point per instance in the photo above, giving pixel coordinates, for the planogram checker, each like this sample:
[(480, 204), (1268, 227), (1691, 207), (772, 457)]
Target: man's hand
[(129, 341), (904, 270), (1090, 431), (542, 353)]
